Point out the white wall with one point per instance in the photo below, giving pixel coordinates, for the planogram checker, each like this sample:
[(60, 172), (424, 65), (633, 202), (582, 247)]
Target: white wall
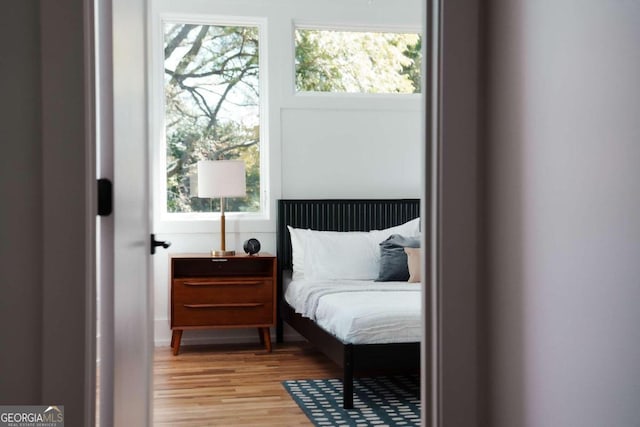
[(564, 213), (319, 146), (349, 153)]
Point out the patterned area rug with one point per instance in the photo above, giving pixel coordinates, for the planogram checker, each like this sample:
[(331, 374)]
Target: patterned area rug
[(380, 401)]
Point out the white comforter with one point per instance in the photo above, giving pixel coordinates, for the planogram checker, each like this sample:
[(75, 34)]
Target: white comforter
[(361, 312)]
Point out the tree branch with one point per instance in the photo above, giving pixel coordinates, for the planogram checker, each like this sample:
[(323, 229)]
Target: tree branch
[(193, 52), (175, 42)]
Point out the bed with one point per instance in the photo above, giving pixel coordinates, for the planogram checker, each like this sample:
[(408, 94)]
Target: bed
[(324, 326)]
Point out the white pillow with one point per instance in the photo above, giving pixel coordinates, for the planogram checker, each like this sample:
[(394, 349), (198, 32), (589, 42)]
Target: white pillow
[(298, 241), (409, 228), (331, 255), (341, 255)]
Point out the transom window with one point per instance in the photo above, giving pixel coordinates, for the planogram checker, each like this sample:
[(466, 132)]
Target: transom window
[(357, 61), (212, 109)]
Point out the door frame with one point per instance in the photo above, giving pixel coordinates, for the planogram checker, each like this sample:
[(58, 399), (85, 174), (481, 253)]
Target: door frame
[(454, 186), (451, 187)]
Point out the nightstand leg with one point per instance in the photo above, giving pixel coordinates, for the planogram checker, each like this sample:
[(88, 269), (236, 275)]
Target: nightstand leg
[(265, 338), (176, 336)]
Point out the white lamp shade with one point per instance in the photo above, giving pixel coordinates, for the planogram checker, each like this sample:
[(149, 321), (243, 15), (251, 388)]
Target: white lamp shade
[(221, 178)]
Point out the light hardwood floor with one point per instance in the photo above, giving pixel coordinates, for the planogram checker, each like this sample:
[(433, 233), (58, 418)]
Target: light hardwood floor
[(233, 385)]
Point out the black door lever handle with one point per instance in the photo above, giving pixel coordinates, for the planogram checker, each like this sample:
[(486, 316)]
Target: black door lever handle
[(155, 243)]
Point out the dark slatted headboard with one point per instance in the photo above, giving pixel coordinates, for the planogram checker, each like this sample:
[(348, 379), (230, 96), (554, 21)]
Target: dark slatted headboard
[(337, 215)]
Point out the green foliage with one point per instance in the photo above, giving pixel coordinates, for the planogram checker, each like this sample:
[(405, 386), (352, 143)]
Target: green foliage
[(350, 61), (412, 69)]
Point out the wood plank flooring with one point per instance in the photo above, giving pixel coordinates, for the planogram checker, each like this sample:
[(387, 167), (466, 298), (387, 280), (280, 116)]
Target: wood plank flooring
[(233, 385)]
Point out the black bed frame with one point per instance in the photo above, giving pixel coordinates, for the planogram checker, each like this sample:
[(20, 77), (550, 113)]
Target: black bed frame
[(343, 215)]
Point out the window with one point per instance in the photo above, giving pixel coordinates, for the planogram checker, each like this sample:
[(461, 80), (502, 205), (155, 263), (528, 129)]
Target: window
[(212, 109), (357, 61)]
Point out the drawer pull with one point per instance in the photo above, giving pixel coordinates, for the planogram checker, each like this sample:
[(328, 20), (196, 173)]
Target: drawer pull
[(219, 283), (245, 305), (219, 260)]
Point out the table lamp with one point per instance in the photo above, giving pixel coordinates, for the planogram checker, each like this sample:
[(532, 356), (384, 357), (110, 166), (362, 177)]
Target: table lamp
[(221, 178)]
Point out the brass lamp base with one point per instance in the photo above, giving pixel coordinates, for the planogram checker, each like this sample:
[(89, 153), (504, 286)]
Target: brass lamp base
[(223, 253)]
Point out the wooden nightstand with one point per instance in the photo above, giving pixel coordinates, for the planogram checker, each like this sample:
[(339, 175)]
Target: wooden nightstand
[(227, 292)]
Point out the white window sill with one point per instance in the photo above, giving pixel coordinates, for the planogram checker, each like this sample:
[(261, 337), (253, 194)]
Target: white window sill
[(206, 223)]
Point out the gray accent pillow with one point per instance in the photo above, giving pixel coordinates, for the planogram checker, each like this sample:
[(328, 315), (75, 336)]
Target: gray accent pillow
[(393, 258)]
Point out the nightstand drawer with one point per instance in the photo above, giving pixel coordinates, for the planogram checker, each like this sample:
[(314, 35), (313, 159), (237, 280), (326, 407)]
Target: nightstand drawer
[(222, 267), (222, 290), (222, 314)]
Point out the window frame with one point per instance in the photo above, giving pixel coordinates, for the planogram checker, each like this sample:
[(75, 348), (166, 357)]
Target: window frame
[(197, 222)]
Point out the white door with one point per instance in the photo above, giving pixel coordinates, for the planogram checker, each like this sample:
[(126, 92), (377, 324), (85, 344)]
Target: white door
[(133, 343), (126, 335)]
